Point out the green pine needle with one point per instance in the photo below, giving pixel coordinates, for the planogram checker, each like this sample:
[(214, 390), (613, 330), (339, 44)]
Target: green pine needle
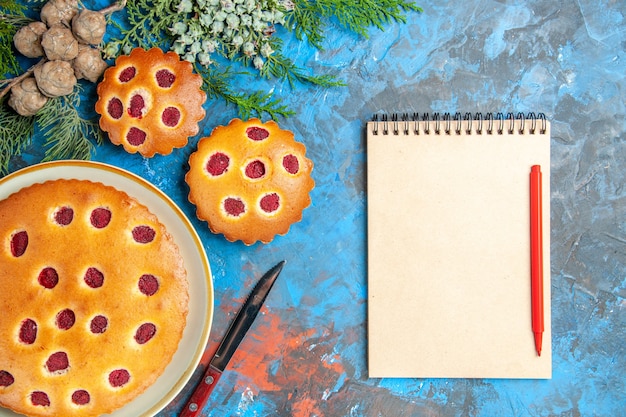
[(218, 84), (280, 67), (11, 19), (16, 133), (309, 17), (146, 25), (66, 134)]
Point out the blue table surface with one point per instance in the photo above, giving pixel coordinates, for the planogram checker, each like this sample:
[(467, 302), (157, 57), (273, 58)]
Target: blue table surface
[(306, 355)]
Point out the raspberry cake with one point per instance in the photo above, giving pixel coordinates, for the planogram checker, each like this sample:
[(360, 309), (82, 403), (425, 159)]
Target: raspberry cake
[(150, 102), (93, 295), (250, 180)]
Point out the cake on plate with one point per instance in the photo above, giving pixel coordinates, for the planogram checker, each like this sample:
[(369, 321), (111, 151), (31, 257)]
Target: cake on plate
[(94, 299)]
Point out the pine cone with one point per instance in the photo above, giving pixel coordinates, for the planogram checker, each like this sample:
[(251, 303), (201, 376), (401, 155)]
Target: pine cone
[(27, 40), (55, 78), (89, 27), (59, 42), (26, 99), (88, 64), (56, 12)]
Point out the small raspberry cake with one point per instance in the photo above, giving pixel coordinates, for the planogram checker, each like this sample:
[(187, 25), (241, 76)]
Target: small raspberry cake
[(250, 180), (94, 299), (150, 102)]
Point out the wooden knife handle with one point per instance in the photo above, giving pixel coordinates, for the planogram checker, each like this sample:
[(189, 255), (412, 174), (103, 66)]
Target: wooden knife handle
[(201, 393)]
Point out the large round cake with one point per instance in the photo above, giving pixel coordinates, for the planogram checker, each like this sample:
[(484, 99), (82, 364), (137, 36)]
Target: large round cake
[(250, 180), (150, 102), (93, 297)]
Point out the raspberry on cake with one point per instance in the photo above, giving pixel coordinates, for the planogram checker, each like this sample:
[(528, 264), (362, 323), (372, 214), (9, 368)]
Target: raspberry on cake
[(94, 299), (250, 180), (150, 102)]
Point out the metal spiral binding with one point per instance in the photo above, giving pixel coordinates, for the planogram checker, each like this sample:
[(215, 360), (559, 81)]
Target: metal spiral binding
[(447, 124)]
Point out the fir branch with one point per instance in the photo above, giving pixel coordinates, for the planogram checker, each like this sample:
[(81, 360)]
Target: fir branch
[(217, 85), (147, 26), (66, 133), (16, 133), (278, 66), (11, 19), (309, 17)]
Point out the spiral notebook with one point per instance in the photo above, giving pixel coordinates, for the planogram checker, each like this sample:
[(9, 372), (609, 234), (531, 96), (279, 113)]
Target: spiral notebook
[(449, 245)]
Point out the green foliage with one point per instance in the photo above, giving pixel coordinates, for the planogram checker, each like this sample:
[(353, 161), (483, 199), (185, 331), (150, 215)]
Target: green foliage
[(16, 133), (11, 19), (66, 133), (242, 31), (279, 66), (146, 26), (248, 104), (227, 27), (309, 17)]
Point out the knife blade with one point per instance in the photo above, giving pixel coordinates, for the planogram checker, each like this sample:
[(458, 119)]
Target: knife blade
[(235, 334)]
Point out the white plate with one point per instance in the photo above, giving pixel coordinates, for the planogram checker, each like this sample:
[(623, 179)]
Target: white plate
[(196, 333)]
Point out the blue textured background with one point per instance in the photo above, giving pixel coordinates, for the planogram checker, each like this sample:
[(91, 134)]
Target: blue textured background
[(306, 355)]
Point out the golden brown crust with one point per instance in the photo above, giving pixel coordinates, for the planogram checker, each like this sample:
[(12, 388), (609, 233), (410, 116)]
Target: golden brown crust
[(69, 245), (150, 102), (258, 168)]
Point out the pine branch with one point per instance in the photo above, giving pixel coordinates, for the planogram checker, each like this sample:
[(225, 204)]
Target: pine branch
[(279, 66), (11, 19), (217, 85), (16, 133), (309, 17), (66, 133), (147, 23)]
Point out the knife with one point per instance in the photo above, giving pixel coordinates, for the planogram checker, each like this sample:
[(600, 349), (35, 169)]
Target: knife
[(231, 340)]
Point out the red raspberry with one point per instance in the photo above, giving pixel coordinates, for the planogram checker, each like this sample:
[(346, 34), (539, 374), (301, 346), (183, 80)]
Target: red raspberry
[(148, 284), (19, 243), (48, 278), (270, 202), (127, 74), (119, 377), (291, 164), (64, 216), (39, 398), (143, 234), (218, 164), (257, 133), (115, 108), (98, 324), (255, 169), (170, 116), (234, 206), (6, 379), (65, 319), (145, 332), (81, 397), (28, 332), (165, 78), (100, 217), (136, 136), (94, 278), (57, 362), (137, 105)]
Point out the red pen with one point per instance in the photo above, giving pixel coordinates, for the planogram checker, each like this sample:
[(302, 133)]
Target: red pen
[(536, 256)]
